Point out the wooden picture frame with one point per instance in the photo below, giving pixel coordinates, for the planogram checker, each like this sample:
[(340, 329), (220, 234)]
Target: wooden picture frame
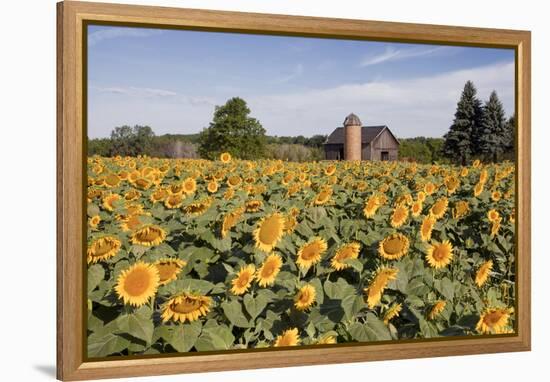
[(71, 227)]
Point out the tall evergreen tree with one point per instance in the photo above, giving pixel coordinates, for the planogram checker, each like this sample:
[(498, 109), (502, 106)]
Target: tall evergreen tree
[(461, 141), (233, 130), (511, 135), (494, 139)]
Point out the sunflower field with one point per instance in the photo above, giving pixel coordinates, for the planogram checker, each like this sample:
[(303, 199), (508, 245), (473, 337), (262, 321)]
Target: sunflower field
[(195, 255)]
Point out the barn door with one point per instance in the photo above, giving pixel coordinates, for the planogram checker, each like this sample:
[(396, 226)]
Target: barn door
[(385, 155)]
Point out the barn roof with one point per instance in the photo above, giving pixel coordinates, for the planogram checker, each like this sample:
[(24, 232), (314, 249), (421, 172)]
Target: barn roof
[(368, 133)]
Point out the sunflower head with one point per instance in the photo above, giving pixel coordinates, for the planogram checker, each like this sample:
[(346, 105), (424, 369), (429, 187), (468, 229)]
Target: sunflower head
[(174, 201), (269, 232), (426, 228), (269, 270), (103, 248), (311, 252), (394, 247), (148, 236), (478, 188), (346, 251), (439, 208), (439, 255), (198, 208), (399, 216), (253, 205), (416, 208), (186, 307), (212, 186), (230, 220), (436, 309), (169, 269), (494, 320), (109, 201), (461, 209), (289, 337), (392, 312), (225, 157), (483, 273), (305, 297), (137, 284), (94, 221), (323, 196), (371, 206), (378, 284), (493, 215), (243, 279), (189, 185)]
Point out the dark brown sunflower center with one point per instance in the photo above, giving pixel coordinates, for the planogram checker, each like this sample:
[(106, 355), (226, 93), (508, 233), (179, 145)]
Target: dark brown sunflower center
[(148, 235), (102, 247), (311, 251), (492, 318), (440, 253)]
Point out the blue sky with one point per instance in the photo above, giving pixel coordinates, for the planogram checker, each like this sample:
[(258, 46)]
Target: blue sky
[(171, 80)]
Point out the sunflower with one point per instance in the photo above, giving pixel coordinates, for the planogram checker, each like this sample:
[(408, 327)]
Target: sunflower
[(305, 297), (189, 185), (394, 246), (269, 232), (399, 216), (494, 320), (198, 208), (326, 340), (290, 223), (310, 253), (493, 215), (225, 157), (143, 183), (461, 209), (149, 236), (392, 312), (478, 189), (439, 208), (378, 284), (186, 307), (426, 228), (234, 181), (371, 206), (476, 163), (158, 195), (483, 273), (230, 220), (347, 251), (243, 280), (289, 337), (130, 223), (452, 183), (323, 196), (421, 196), (229, 194), (330, 170), (103, 249), (137, 284), (437, 308), (212, 186), (496, 195), (464, 172), (429, 188), (169, 269), (416, 208), (109, 201), (94, 221), (253, 205), (174, 201), (440, 255), (111, 180), (269, 270), (132, 195)]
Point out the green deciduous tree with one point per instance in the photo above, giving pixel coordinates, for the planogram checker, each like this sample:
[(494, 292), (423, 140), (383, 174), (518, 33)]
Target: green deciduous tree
[(461, 141), (494, 139), (233, 130), (131, 141)]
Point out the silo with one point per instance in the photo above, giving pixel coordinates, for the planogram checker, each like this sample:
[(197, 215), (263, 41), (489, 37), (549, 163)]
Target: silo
[(352, 137)]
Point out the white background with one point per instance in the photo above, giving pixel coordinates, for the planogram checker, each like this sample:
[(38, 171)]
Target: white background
[(27, 192)]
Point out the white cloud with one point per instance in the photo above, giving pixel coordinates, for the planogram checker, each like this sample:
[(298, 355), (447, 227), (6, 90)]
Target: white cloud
[(106, 34), (136, 91), (410, 107), (393, 54), (297, 71)]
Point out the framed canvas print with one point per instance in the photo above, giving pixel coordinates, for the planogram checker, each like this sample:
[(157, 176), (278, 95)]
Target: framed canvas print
[(248, 190)]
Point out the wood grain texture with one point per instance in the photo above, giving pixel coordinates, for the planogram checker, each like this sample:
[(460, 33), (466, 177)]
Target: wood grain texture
[(70, 163)]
